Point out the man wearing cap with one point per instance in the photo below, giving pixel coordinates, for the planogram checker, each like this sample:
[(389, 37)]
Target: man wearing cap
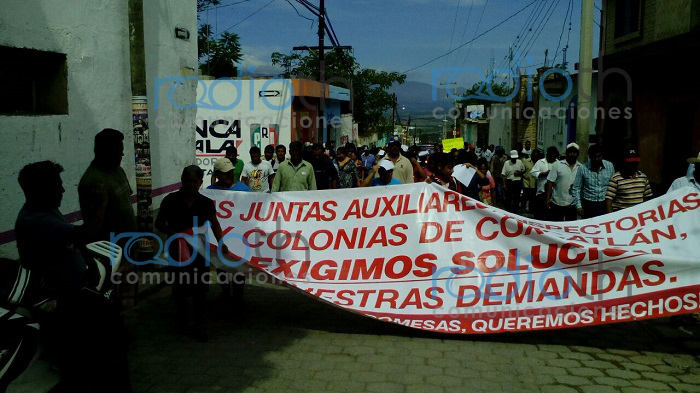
[(512, 175), (540, 171), (591, 184), (224, 171), (560, 181), (403, 169), (385, 169), (692, 178), (294, 174), (629, 186), (232, 155)]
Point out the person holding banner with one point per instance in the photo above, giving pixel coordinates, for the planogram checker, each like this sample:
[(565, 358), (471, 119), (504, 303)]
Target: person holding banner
[(629, 186), (403, 169), (178, 212), (591, 184), (224, 172), (294, 174), (560, 181), (385, 170)]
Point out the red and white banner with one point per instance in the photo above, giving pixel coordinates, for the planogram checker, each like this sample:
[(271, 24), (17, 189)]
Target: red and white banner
[(425, 257)]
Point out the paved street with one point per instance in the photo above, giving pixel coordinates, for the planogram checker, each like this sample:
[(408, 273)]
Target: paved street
[(292, 343)]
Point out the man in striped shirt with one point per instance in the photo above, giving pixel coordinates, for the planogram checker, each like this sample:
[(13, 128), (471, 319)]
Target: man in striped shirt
[(629, 186), (591, 184)]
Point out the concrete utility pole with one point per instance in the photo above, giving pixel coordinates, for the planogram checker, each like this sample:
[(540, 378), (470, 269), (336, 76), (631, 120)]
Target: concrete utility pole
[(585, 78), (139, 105), (322, 66)]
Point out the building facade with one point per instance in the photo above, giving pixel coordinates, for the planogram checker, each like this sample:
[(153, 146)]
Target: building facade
[(68, 76), (645, 66)]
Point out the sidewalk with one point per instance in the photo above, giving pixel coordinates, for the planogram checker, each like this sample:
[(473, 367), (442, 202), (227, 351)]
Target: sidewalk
[(289, 342)]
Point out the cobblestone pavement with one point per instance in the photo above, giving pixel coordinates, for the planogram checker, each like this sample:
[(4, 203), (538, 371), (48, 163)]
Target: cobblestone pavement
[(290, 343)]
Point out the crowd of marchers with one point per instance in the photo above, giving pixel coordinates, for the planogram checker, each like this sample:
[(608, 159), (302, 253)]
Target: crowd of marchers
[(524, 180)]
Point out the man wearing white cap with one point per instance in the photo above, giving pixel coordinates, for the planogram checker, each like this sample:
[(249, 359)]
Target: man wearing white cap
[(560, 181), (692, 178), (512, 174), (386, 171)]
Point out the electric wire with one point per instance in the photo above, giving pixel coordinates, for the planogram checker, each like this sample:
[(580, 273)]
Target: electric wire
[(249, 16), (475, 38)]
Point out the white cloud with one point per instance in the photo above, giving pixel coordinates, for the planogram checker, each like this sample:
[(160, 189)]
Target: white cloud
[(259, 57)]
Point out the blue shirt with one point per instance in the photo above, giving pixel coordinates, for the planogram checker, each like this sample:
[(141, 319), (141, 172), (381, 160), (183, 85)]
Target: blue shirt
[(377, 182), (590, 185), (239, 186), (367, 161)]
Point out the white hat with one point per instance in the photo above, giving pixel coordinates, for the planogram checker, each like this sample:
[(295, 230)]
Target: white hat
[(381, 153), (574, 145), (307, 144), (514, 154), (404, 147), (386, 164), (423, 153), (694, 160), (223, 165)]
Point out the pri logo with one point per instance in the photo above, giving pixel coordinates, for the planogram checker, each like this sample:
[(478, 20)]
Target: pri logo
[(485, 91)]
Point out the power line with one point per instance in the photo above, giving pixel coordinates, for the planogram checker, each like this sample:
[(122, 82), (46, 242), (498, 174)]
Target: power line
[(464, 32), (475, 38), (224, 6), (524, 32), (454, 24), (478, 24), (249, 16), (297, 11), (569, 13), (543, 24)]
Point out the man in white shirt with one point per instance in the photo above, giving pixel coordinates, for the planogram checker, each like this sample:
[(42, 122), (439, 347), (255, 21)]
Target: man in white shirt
[(257, 174), (528, 148), (488, 153), (540, 171), (692, 178), (560, 181), (512, 174)]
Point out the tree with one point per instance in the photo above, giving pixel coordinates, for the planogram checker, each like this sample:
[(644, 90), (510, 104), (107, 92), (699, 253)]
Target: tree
[(369, 87), (220, 55)]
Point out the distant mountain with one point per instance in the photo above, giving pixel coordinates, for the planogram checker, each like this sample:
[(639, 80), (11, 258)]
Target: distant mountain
[(417, 98)]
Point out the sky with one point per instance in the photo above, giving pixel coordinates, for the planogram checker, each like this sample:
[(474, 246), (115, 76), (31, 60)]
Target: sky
[(400, 35)]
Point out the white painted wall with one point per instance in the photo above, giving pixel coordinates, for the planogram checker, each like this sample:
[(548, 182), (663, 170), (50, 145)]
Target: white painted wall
[(94, 36), (251, 112), (551, 129), (500, 124), (171, 128)]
